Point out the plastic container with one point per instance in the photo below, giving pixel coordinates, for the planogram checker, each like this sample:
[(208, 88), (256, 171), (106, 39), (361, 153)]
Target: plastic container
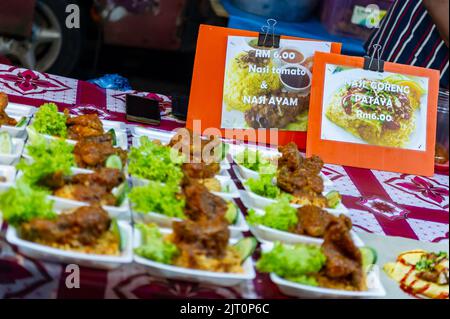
[(353, 18), (281, 10), (442, 147)]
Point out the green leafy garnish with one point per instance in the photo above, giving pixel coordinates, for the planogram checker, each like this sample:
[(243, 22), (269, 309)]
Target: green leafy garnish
[(280, 215), (22, 204), (48, 121), (264, 186), (49, 157), (153, 245), (295, 263), (254, 161), (158, 198), (155, 162)]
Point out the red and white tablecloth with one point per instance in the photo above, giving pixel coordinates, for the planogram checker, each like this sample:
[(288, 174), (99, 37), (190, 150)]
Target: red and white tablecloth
[(379, 202)]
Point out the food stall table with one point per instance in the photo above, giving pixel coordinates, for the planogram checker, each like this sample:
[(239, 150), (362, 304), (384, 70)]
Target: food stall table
[(380, 203)]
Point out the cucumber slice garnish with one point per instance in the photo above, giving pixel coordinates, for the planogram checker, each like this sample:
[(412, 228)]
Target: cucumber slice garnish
[(114, 161), (22, 122), (112, 132), (6, 144), (246, 247), (369, 256), (333, 199), (122, 193), (115, 229), (225, 148), (232, 213)]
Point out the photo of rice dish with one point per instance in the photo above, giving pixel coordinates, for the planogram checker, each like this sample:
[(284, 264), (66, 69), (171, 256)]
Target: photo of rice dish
[(240, 82), (383, 112), (268, 87)]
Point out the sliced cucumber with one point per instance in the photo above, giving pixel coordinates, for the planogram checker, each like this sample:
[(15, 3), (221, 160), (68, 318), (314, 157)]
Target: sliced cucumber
[(114, 161), (369, 256), (115, 229), (246, 247), (333, 199), (6, 144), (232, 213), (112, 132), (122, 193), (22, 122), (225, 149)]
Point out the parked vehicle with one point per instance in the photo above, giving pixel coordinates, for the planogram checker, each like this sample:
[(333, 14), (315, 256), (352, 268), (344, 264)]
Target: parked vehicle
[(34, 34)]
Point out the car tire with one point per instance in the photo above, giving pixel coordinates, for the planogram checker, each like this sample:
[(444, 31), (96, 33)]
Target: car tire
[(60, 58)]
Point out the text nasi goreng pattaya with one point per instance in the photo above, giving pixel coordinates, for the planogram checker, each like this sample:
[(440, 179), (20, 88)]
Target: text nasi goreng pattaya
[(380, 112)]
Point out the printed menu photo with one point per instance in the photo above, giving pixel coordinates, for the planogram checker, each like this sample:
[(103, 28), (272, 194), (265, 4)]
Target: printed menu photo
[(268, 88), (383, 119), (383, 109)]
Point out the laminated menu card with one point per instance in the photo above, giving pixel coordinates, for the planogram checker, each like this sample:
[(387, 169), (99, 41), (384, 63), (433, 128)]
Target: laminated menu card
[(248, 91), (382, 120), (268, 87)]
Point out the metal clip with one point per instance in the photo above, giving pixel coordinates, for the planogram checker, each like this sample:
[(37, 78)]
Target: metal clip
[(374, 64), (266, 39)]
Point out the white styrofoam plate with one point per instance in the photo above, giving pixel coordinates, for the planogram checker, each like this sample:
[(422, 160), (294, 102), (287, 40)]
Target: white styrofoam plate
[(289, 288), (10, 159), (264, 233), (9, 173), (243, 174), (119, 129), (164, 137), (229, 189), (42, 252), (164, 221), (192, 275), (253, 200), (121, 212), (14, 131), (17, 112)]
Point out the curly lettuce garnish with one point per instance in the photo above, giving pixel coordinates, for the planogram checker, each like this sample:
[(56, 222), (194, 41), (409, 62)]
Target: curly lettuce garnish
[(48, 121), (49, 157), (158, 198), (297, 263), (255, 161), (280, 215), (264, 186), (153, 245), (23, 203), (155, 162)]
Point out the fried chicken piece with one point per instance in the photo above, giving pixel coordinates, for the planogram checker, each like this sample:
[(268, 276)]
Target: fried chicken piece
[(200, 203), (55, 180), (314, 221), (208, 236), (94, 188), (290, 156), (201, 170), (299, 176), (92, 152), (194, 145), (82, 227), (273, 116), (313, 164), (106, 177), (344, 259), (88, 125), (93, 194), (4, 118)]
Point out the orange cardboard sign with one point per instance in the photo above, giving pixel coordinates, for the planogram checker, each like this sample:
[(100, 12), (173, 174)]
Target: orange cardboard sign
[(378, 120), (207, 89)]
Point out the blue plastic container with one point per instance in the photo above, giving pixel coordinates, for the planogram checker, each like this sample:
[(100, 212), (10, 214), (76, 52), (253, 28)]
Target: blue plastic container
[(282, 10)]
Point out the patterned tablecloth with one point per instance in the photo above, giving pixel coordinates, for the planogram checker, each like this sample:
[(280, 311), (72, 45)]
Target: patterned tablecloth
[(379, 202)]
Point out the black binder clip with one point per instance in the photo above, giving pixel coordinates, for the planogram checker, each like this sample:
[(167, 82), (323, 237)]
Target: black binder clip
[(267, 38), (372, 63)]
